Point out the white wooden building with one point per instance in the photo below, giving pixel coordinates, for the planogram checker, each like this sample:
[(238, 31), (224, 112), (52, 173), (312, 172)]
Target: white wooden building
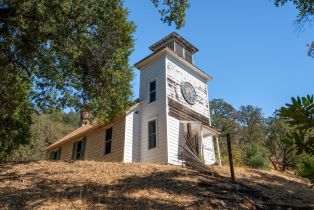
[(173, 92)]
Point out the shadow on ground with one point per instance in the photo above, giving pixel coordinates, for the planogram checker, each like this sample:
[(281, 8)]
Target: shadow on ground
[(167, 189)]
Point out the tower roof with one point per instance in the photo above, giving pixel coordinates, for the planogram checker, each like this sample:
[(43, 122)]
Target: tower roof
[(177, 37)]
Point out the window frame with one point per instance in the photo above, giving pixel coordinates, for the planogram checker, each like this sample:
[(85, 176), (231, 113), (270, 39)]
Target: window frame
[(55, 154), (109, 141), (154, 119), (82, 150), (152, 91)]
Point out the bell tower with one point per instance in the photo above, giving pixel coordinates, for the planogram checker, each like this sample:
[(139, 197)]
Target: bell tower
[(178, 45), (172, 90)]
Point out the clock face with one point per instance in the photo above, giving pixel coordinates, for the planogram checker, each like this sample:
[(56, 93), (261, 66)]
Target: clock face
[(188, 92)]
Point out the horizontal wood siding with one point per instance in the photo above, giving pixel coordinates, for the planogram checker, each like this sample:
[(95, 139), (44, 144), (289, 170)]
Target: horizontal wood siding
[(66, 150), (117, 148), (177, 73), (132, 136), (208, 150), (175, 139), (150, 72), (178, 109), (95, 143)]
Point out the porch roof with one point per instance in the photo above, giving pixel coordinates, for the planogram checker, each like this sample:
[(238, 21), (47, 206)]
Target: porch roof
[(205, 129)]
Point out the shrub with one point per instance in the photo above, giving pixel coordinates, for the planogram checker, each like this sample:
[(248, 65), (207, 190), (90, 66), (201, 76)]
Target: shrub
[(256, 156), (306, 169)]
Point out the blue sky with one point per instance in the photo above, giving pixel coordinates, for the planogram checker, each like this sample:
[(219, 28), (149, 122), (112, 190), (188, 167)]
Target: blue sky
[(254, 51)]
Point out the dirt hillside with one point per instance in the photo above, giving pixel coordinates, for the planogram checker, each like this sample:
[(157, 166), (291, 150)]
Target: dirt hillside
[(99, 185)]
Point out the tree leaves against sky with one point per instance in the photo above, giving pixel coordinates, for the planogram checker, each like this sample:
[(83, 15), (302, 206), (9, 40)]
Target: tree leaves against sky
[(172, 11), (300, 114), (60, 54), (73, 53)]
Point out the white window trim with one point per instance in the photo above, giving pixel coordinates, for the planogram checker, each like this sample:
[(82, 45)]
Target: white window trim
[(149, 120)]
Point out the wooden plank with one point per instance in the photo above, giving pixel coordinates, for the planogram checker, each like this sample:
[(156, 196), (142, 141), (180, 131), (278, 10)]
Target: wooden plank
[(182, 112)]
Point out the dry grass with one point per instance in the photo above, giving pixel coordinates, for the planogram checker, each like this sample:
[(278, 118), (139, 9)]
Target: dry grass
[(99, 185)]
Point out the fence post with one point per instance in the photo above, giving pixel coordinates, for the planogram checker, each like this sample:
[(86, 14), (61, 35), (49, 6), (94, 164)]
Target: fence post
[(230, 156)]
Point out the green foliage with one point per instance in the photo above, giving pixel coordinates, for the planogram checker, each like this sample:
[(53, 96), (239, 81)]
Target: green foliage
[(246, 125), (256, 156), (237, 152), (59, 54), (45, 130), (306, 169), (305, 7), (280, 143), (224, 118), (306, 13), (15, 111), (74, 53), (172, 11), (252, 122), (300, 114), (223, 115)]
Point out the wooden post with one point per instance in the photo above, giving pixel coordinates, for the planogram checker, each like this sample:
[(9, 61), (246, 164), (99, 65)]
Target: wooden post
[(218, 151), (230, 156)]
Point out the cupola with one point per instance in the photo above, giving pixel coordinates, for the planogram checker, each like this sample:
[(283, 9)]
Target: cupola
[(178, 44)]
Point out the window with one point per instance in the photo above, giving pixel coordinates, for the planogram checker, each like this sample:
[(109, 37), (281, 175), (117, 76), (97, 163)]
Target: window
[(78, 150), (108, 141), (55, 155), (152, 91), (152, 134)]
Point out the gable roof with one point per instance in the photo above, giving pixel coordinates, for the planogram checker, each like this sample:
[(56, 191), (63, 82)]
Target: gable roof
[(81, 131), (74, 134)]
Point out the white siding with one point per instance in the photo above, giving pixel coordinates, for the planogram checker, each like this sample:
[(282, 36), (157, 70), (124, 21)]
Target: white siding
[(132, 136), (175, 139), (148, 73), (95, 144), (178, 73), (208, 150)]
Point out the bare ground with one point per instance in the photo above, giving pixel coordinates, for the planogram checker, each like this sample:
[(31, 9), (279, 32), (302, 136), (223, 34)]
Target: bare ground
[(99, 185)]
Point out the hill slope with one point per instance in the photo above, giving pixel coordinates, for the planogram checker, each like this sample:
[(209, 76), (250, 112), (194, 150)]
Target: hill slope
[(90, 185)]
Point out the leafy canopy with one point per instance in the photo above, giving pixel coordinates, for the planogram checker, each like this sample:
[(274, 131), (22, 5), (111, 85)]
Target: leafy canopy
[(59, 54), (172, 11), (306, 14), (45, 129), (300, 114), (73, 53), (305, 7), (252, 122), (223, 115), (66, 53), (15, 113), (280, 143)]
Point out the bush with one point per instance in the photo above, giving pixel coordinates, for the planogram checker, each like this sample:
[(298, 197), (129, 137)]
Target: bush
[(236, 153), (306, 169), (256, 156)]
